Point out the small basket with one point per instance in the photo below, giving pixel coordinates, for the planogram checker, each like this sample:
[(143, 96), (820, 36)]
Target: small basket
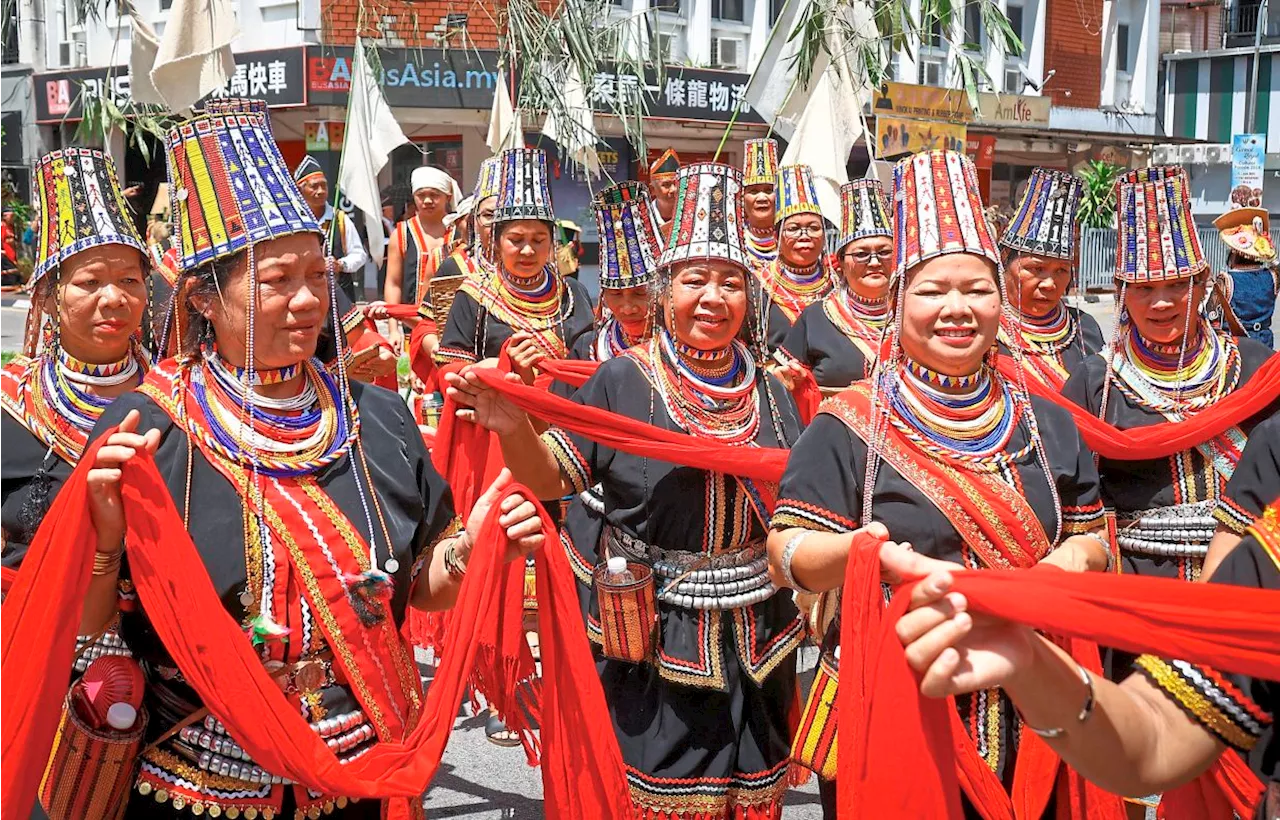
[(90, 771), (815, 743), (440, 293), (628, 613)]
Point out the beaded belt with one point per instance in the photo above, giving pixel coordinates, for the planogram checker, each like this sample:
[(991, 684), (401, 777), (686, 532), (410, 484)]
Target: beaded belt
[(728, 580), (1177, 531), (108, 643)]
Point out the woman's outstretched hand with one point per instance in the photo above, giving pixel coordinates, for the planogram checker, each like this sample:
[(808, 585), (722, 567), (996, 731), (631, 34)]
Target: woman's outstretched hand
[(104, 478)]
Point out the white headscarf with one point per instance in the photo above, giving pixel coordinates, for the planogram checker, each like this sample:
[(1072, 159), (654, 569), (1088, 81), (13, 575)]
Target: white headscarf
[(429, 176)]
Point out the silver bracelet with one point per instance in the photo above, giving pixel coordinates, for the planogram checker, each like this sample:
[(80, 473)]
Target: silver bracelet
[(788, 553), (1106, 548), (1086, 709)]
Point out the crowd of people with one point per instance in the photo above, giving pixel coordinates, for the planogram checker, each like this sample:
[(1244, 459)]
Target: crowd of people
[(706, 447)]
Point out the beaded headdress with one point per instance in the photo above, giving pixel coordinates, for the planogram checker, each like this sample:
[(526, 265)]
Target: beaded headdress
[(707, 223), (864, 211), (795, 192), (664, 166), (1157, 239), (230, 188), (760, 162), (1045, 221), (238, 105), (306, 169), (628, 244), (80, 207), (937, 209), (525, 190), (1247, 231), (489, 182)]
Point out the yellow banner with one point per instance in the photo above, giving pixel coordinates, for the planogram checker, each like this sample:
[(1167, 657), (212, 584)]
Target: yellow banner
[(895, 136), (926, 102)]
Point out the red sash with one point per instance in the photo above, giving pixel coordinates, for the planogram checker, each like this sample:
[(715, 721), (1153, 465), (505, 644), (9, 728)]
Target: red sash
[(999, 525)]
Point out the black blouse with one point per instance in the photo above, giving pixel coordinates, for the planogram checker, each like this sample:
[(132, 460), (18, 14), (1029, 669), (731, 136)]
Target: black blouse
[(834, 358), (822, 490), (1131, 487), (473, 333), (684, 509)]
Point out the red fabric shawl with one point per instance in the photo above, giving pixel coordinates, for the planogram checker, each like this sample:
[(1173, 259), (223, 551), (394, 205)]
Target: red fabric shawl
[(903, 761), (43, 609), (1166, 438)]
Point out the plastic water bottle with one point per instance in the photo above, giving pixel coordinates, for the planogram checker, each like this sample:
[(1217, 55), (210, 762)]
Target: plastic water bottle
[(619, 575)]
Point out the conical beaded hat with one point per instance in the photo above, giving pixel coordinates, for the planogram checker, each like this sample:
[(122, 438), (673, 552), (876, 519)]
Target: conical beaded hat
[(628, 244), (525, 188), (1157, 238), (795, 193), (707, 224), (760, 162), (1045, 222), (864, 211), (937, 209)]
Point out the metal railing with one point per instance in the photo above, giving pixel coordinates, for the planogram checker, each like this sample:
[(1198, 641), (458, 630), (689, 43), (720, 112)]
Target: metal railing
[(1098, 254)]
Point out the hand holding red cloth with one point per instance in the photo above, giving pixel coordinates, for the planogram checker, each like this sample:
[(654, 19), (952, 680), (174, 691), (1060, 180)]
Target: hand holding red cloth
[(903, 756), (218, 661)]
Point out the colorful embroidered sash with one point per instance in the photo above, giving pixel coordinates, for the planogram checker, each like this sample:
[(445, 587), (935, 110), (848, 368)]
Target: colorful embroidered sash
[(865, 337), (791, 301), (547, 333)]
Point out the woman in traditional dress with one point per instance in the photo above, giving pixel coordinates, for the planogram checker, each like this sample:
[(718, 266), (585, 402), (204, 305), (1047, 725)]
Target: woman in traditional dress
[(525, 299), (1040, 265), (838, 338), (89, 292), (628, 258), (249, 428), (1155, 731), (759, 199), (802, 273), (1166, 363), (1254, 484), (938, 447), (703, 725), (662, 191)]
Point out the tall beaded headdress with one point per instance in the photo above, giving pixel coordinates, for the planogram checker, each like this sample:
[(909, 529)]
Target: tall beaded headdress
[(707, 223), (760, 162), (864, 211), (1045, 221), (489, 181), (937, 209), (1157, 238), (795, 192), (525, 191), (628, 244)]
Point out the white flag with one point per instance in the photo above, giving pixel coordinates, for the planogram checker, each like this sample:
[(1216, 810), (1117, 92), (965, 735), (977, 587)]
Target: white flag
[(573, 126), (143, 48), (194, 56), (372, 134), (505, 128), (774, 90)]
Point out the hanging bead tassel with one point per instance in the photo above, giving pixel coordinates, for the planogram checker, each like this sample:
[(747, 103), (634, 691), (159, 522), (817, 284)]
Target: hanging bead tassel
[(264, 629), (368, 592)]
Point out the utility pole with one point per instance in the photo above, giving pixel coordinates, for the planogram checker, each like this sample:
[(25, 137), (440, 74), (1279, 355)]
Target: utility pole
[(1252, 101)]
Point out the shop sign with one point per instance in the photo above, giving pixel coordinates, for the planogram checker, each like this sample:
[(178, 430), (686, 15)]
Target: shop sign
[(982, 149), (895, 137), (682, 94), (411, 77), (925, 102), (1248, 167), (323, 135), (275, 75)]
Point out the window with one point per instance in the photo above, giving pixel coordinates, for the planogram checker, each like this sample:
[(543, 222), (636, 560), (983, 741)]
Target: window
[(10, 36), (973, 25), (726, 10), (1122, 47), (1014, 13), (671, 6), (666, 44), (931, 71), (775, 9), (935, 34), (165, 5)]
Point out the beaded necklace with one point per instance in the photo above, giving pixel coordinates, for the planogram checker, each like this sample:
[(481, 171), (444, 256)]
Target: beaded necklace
[(856, 317), (763, 247), (537, 297), (286, 437), (1178, 380), (794, 290), (1047, 335), (612, 341), (970, 419), (61, 409), (724, 406)]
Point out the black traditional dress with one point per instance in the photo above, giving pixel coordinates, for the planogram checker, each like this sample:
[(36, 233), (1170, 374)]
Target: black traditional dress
[(483, 316), (1164, 507), (915, 498), (835, 340), (787, 293), (1256, 480), (319, 512), (1235, 709), (703, 726), (1055, 347)]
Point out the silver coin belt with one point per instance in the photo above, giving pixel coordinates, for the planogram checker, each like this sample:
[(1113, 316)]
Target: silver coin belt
[(1178, 531), (593, 499), (108, 643), (688, 580)]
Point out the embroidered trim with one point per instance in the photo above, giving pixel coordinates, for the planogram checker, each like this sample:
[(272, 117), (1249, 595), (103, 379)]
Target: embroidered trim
[(1209, 699), (572, 464)]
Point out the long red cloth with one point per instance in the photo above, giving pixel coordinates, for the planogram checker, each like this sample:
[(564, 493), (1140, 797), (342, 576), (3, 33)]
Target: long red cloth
[(211, 650), (1166, 438), (903, 761)]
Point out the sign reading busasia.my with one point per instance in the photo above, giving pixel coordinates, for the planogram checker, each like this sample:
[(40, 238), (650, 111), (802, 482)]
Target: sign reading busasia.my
[(411, 78)]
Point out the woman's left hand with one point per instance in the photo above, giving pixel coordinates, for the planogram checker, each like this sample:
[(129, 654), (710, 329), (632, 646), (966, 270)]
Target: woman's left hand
[(376, 311), (519, 519), (525, 355)]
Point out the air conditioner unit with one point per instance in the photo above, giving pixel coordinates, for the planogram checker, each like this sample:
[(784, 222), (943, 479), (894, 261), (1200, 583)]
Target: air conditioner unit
[(931, 72), (1217, 154), (1013, 81), (726, 52), (1199, 153), (1165, 155), (1186, 154)]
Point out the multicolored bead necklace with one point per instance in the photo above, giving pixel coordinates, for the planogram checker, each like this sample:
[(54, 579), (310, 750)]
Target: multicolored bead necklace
[(725, 408), (535, 297), (1047, 334), (855, 316), (764, 248), (292, 436), (61, 410), (969, 418), (794, 290), (1181, 380), (612, 341)]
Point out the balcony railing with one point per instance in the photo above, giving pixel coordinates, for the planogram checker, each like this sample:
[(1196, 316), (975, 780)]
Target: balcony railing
[(1240, 24)]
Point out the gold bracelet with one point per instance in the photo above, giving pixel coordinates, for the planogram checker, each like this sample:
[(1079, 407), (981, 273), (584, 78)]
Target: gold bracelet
[(107, 563), (452, 564)]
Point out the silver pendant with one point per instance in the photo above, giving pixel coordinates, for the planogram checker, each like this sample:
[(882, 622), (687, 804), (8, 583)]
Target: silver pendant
[(392, 565)]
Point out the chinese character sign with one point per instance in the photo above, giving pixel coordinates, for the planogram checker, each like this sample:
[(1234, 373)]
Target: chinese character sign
[(683, 94)]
